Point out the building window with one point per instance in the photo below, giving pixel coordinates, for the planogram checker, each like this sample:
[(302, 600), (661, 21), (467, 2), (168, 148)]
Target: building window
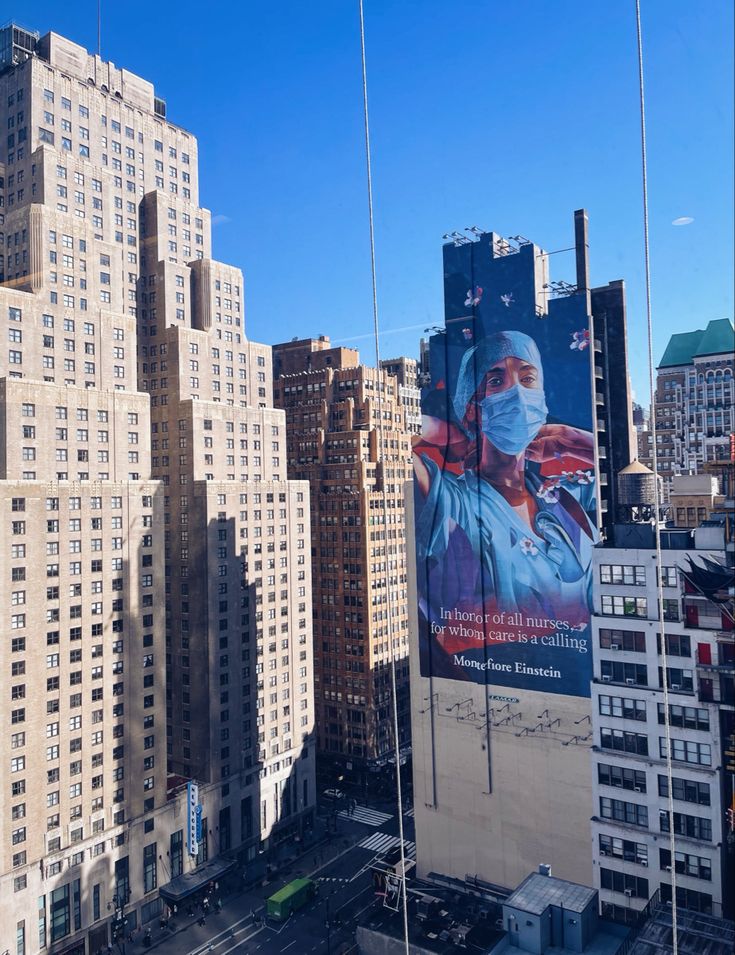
[(692, 827), (621, 811), (685, 790), (150, 871), (631, 885), (614, 606), (623, 574), (687, 751)]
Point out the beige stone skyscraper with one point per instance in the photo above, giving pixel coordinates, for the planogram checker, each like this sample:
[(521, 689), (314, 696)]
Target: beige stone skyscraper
[(357, 470), (155, 600)]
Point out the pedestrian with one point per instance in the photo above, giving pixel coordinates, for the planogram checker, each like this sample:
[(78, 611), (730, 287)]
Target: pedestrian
[(202, 920)]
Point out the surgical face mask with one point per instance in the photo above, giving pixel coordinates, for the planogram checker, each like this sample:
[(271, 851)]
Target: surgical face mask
[(511, 419)]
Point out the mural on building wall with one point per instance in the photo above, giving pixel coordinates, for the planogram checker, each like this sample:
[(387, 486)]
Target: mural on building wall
[(505, 481)]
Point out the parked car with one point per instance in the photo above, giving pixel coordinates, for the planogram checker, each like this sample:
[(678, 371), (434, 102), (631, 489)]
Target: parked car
[(332, 795)]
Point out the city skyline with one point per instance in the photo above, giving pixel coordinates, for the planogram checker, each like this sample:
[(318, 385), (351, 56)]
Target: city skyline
[(216, 569), (300, 152)]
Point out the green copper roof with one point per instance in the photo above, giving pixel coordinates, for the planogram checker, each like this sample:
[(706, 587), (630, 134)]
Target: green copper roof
[(716, 339)]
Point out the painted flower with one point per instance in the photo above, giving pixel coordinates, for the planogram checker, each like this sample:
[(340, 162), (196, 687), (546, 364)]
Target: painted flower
[(507, 299), (580, 340), (473, 296), (584, 477), (568, 476), (467, 334), (548, 491), (528, 547)]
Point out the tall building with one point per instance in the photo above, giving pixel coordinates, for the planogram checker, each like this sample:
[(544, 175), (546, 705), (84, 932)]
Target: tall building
[(630, 816), (694, 401), (526, 421), (155, 562), (406, 371), (357, 468), (640, 416)]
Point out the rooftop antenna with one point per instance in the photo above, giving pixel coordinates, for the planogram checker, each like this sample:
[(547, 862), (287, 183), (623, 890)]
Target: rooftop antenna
[(99, 28)]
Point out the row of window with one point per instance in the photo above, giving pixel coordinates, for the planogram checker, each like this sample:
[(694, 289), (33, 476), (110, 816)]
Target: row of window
[(634, 575), (677, 644), (635, 780)]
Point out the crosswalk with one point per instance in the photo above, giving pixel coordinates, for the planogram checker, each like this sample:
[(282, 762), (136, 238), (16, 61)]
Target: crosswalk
[(381, 842), (409, 813), (367, 816)]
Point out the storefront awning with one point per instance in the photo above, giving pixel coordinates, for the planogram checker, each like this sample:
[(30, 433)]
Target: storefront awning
[(187, 884)]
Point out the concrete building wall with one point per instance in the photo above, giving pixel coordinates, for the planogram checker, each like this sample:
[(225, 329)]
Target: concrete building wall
[(499, 785)]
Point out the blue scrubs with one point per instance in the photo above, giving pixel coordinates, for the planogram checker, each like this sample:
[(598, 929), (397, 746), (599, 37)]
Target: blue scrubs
[(485, 553), (476, 555)]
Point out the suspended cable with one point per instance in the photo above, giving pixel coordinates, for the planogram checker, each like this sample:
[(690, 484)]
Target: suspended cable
[(381, 393), (657, 494)]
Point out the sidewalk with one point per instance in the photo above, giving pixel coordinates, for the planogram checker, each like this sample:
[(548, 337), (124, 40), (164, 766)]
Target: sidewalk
[(239, 905)]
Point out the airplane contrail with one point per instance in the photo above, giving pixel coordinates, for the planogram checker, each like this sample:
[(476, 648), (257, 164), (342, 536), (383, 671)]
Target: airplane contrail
[(387, 331)]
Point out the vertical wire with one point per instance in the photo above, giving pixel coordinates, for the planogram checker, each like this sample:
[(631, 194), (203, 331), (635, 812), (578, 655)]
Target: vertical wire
[(381, 393), (656, 524)]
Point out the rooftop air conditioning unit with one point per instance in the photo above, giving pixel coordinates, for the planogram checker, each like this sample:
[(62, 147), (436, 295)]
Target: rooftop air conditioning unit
[(644, 862), (628, 892), (605, 678), (630, 682), (614, 646), (675, 686), (637, 789)]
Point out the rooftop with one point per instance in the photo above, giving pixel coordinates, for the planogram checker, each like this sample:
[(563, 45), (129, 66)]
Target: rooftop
[(717, 338), (698, 934), (537, 892)]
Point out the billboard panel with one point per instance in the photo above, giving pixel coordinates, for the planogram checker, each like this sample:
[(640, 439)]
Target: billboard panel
[(505, 489)]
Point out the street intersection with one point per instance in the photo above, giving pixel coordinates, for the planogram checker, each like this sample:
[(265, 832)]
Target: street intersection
[(346, 895)]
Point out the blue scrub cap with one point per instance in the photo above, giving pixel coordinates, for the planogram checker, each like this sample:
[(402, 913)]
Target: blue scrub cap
[(478, 360)]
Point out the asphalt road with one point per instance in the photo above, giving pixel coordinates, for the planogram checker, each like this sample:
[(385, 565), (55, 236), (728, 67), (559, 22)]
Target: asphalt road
[(326, 924)]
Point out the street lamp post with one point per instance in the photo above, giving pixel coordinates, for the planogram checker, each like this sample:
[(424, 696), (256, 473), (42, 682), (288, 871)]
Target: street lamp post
[(119, 921)]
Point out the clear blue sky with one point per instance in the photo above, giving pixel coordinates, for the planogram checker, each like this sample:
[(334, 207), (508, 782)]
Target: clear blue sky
[(506, 115)]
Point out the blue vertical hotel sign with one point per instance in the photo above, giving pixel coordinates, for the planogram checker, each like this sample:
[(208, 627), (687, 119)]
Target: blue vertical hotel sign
[(193, 819)]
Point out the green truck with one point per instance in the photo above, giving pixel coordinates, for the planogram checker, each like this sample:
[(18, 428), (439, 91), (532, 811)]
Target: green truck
[(291, 897)]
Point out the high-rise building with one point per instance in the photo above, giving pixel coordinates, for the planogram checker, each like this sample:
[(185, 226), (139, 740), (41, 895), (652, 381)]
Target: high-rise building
[(630, 816), (155, 560), (640, 416), (526, 421), (693, 406), (405, 371), (347, 436)]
